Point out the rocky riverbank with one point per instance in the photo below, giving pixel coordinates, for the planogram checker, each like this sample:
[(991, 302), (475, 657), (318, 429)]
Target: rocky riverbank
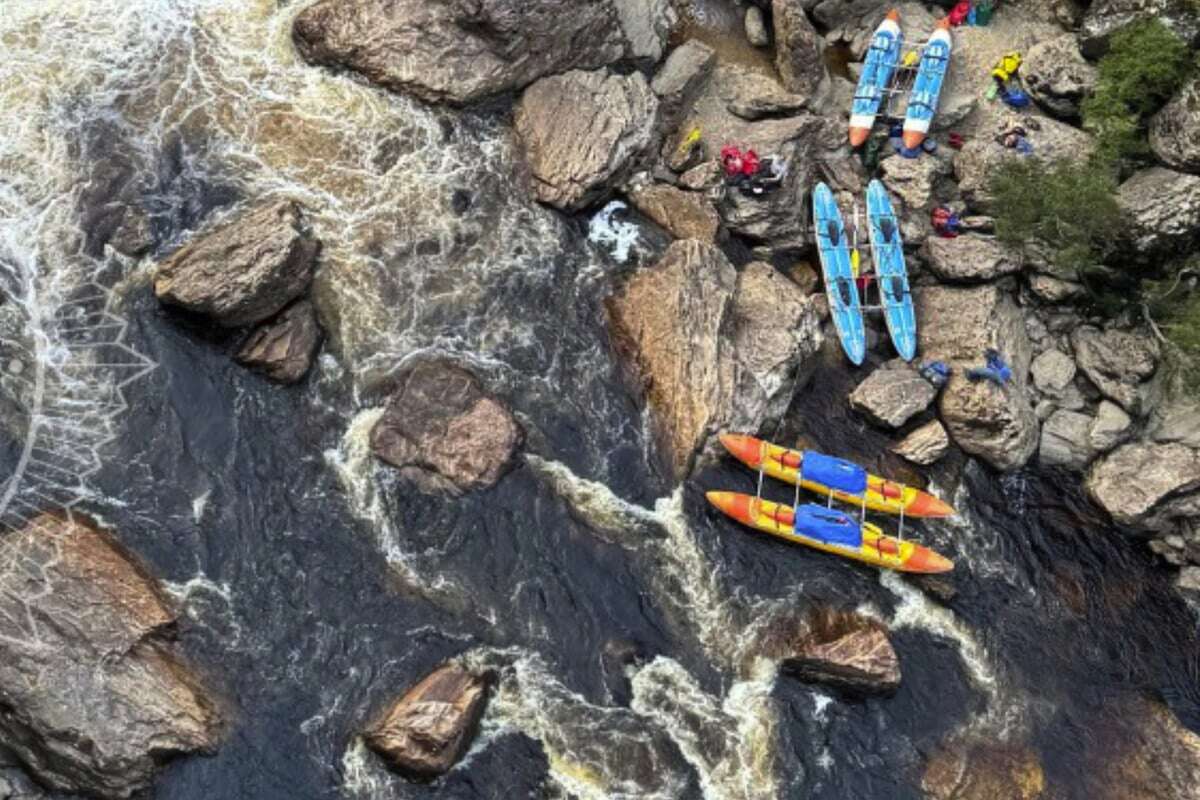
[(718, 323)]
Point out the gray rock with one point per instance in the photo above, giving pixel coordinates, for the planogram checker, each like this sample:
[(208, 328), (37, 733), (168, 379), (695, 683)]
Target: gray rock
[(832, 14), (914, 184), (756, 27), (892, 394), (1164, 212), (243, 270), (1175, 130), (957, 325), (714, 362), (757, 96), (1057, 76), (1065, 441), (1188, 579), (685, 215), (1052, 372), (1105, 16), (1117, 362), (925, 444), (970, 258), (582, 132), (701, 177), (798, 48), (1055, 290), (1111, 426), (458, 51), (1177, 420), (981, 156), (93, 698), (284, 347), (647, 25), (682, 75), (1135, 481), (425, 732), (443, 431)]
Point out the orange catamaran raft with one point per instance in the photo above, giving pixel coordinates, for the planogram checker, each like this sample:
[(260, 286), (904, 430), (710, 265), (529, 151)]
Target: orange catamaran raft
[(831, 531), (841, 480)]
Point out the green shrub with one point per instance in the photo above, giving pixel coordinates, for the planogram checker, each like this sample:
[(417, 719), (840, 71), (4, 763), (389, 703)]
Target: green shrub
[(1145, 65), (1070, 207)]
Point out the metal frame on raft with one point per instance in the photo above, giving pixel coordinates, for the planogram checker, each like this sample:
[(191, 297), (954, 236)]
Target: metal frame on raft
[(764, 451), (901, 83)]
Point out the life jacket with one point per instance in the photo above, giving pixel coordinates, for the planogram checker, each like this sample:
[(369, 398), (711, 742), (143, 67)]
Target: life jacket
[(958, 14), (1007, 66), (737, 163)]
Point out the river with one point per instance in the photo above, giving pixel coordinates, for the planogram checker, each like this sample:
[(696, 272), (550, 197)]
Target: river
[(316, 585)]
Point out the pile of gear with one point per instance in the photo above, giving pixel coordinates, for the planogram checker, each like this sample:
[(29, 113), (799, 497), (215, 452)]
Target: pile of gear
[(744, 170), (1007, 85), (995, 370), (972, 13)]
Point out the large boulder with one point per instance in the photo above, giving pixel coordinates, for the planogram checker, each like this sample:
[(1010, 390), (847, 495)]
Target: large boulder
[(443, 430), (798, 48), (1105, 16), (845, 651), (426, 731), (647, 24), (1163, 208), (892, 394), (459, 51), (243, 270), (1158, 758), (703, 353), (915, 184), (92, 699), (1175, 130), (284, 347), (983, 769), (582, 131), (1118, 362), (982, 155), (924, 445), (957, 326), (1057, 75), (970, 258), (680, 78), (1146, 485), (1065, 441), (684, 215)]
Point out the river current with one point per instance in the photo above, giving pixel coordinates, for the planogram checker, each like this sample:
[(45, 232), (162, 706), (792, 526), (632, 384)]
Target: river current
[(623, 616)]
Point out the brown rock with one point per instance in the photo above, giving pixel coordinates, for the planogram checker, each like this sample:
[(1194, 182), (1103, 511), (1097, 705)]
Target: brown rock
[(1158, 760), (91, 699), (983, 770), (427, 730), (245, 269), (1135, 481), (444, 431), (283, 348), (845, 651), (1118, 362), (925, 444), (685, 215), (892, 394), (797, 48), (582, 130), (458, 51)]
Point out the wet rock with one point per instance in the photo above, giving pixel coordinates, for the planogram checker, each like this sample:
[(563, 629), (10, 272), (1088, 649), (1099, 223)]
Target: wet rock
[(1111, 426), (756, 27), (847, 652), (1175, 130), (925, 444), (685, 215), (1164, 212), (284, 347), (1057, 75), (983, 770), (1158, 757), (982, 155), (758, 96), (1065, 441), (1117, 362), (582, 131), (647, 25), (444, 431), (1105, 16), (1052, 372), (458, 51), (426, 731), (892, 394), (1135, 482), (970, 258), (798, 49), (244, 270), (957, 326), (940, 587), (705, 359), (681, 77), (91, 698)]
